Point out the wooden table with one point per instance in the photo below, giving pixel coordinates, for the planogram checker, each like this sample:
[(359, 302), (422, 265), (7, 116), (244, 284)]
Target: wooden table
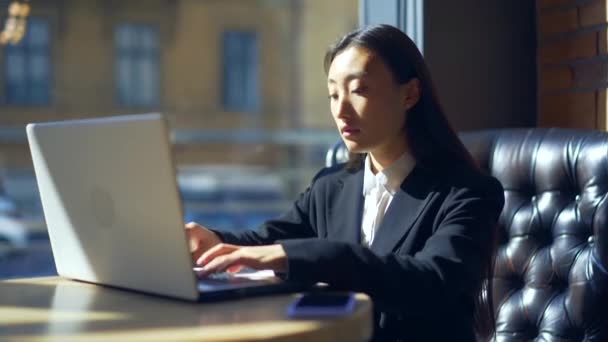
[(56, 309)]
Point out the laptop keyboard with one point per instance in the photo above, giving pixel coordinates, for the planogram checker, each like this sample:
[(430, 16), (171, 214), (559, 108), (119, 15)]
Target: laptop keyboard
[(248, 276), (226, 277), (221, 276)]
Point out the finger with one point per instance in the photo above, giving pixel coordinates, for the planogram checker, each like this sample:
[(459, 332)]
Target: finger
[(215, 251), (196, 255), (193, 243), (235, 268), (194, 240), (221, 263), (191, 225), (195, 246)]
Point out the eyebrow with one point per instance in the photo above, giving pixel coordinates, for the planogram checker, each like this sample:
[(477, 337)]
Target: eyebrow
[(350, 77)]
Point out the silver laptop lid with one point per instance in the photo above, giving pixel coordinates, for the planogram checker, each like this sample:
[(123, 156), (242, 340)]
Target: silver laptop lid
[(111, 203)]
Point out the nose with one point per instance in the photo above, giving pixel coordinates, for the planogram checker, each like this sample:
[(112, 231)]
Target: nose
[(342, 107)]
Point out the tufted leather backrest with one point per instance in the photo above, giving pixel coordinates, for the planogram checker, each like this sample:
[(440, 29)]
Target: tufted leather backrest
[(550, 279)]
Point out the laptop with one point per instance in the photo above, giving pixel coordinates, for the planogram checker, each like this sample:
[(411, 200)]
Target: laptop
[(113, 210)]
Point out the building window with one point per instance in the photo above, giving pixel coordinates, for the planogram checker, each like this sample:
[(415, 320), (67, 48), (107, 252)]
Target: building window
[(240, 71), (27, 66), (137, 66)]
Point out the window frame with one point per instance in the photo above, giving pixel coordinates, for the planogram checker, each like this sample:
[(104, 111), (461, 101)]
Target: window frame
[(132, 95), (27, 52), (244, 58)]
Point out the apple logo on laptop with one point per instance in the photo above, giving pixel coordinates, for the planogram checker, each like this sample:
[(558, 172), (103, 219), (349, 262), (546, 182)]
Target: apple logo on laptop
[(102, 205)]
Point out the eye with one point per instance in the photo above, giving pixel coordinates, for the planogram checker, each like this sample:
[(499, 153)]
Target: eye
[(333, 96), (359, 90)]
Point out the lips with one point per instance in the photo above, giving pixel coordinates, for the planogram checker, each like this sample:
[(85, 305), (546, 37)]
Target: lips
[(349, 131)]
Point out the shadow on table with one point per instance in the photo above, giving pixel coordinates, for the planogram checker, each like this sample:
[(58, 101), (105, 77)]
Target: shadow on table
[(72, 307)]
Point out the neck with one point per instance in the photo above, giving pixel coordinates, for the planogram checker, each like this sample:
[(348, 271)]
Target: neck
[(382, 158)]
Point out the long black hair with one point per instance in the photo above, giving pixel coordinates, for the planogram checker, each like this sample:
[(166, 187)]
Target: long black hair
[(432, 141)]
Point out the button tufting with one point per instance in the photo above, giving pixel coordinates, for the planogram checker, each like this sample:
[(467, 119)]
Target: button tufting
[(550, 283), (532, 332), (560, 285), (518, 284)]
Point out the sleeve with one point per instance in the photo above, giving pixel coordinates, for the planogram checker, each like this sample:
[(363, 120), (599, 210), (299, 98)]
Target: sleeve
[(432, 280), (296, 223)]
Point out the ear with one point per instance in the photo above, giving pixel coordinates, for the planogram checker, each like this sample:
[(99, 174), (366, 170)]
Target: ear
[(411, 93)]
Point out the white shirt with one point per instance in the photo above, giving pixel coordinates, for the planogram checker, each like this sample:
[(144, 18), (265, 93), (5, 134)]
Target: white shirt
[(378, 191)]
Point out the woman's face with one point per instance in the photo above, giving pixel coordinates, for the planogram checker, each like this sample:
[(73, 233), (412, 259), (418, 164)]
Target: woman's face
[(367, 103)]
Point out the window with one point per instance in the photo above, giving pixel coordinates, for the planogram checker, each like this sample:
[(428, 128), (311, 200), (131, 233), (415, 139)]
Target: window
[(242, 154), (408, 15), (240, 81), (27, 66), (137, 66)]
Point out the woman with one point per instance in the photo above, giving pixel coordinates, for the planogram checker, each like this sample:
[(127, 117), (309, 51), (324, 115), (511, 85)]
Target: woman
[(408, 220)]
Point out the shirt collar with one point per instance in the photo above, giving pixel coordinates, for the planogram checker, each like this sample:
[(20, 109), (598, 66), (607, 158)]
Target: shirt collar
[(391, 177)]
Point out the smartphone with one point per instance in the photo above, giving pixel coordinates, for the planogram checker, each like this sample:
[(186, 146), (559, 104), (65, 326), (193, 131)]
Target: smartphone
[(321, 305)]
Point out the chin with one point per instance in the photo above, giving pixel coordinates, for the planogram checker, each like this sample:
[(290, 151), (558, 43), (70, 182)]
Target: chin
[(354, 147)]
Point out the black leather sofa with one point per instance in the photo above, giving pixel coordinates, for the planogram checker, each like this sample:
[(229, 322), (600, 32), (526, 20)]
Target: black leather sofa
[(550, 280)]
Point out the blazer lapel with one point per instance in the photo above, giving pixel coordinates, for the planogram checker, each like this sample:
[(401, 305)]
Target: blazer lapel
[(404, 210), (348, 209)]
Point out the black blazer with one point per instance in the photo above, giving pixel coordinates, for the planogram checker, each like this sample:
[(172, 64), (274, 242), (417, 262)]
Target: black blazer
[(423, 268)]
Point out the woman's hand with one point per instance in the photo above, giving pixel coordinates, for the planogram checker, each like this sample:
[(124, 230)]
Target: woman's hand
[(200, 239), (232, 258)]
